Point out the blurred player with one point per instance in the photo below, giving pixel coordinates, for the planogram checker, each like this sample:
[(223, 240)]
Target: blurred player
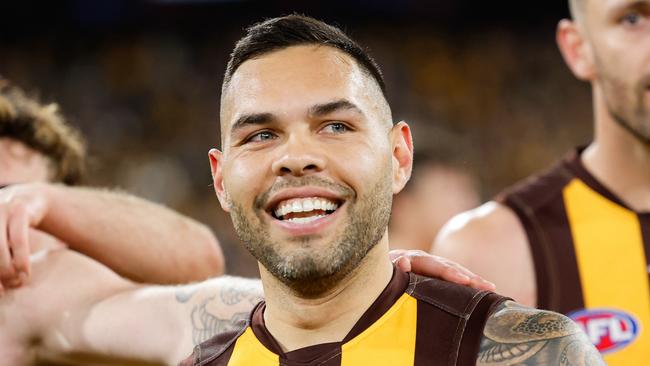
[(139, 239), (439, 189), (575, 238)]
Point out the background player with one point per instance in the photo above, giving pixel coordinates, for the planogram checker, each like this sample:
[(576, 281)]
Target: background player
[(139, 239), (577, 236), (440, 188)]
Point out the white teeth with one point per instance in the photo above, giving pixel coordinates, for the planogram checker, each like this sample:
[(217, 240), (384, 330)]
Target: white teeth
[(297, 206), (304, 205), (308, 205), (302, 220)]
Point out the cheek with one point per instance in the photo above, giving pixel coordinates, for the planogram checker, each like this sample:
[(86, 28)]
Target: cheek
[(362, 164), (244, 179)]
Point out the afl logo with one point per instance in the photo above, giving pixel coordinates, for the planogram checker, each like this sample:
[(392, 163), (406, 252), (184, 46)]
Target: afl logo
[(608, 329)]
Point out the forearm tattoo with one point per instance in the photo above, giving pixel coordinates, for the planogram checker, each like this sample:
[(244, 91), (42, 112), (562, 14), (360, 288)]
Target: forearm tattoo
[(232, 296), (516, 335)]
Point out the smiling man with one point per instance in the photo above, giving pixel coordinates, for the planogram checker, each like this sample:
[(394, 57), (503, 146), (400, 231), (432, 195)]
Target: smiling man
[(310, 162)]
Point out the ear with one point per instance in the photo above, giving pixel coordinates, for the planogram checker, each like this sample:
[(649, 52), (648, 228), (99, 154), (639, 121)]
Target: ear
[(216, 164), (575, 49), (402, 148)]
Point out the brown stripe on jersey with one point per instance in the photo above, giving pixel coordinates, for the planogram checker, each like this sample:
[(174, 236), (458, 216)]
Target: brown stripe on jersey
[(471, 342), (434, 334), (538, 203), (325, 354), (644, 220), (443, 309)]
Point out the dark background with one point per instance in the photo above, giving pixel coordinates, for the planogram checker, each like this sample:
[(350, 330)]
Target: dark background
[(482, 84)]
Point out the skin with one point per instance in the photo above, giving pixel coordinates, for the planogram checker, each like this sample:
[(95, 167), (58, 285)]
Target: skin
[(437, 192), (298, 145), (291, 143), (93, 221), (64, 316), (490, 239)]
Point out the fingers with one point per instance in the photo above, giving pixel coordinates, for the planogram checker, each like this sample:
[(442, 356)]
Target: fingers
[(19, 241), (428, 265), (15, 222), (7, 272)]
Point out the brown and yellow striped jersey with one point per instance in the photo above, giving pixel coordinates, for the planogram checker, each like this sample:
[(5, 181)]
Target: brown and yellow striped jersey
[(589, 251), (415, 321)]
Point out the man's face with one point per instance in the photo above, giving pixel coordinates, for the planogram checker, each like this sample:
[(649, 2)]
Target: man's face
[(307, 169), (619, 34), (20, 164)]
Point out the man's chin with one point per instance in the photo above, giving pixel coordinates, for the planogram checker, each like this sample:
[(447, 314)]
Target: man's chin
[(309, 277)]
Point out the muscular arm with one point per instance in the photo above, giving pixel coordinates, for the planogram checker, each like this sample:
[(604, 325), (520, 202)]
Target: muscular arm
[(517, 335), (491, 242), (138, 239), (76, 309)]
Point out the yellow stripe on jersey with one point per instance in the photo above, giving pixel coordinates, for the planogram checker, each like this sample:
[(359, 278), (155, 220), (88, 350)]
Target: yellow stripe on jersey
[(389, 341), (249, 351), (611, 262)]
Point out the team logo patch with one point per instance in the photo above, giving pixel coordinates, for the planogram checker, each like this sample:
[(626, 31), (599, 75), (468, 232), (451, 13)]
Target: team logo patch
[(608, 329)]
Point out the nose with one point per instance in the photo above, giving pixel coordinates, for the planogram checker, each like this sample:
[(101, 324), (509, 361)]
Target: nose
[(299, 158)]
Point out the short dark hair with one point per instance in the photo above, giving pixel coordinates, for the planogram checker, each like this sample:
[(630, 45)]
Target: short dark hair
[(294, 30)]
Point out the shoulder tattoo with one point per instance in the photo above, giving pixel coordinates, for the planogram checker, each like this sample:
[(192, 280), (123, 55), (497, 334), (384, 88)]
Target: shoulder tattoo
[(517, 335), (218, 305)]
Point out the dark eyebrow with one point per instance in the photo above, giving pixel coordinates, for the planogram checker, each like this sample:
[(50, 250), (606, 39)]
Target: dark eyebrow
[(635, 5), (342, 104), (252, 119)]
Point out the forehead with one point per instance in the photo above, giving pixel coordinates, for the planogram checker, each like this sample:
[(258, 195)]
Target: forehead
[(21, 164), (293, 79), (596, 8)]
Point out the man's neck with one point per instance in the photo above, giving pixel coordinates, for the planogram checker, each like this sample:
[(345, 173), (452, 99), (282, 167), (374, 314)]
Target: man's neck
[(619, 160), (296, 322)]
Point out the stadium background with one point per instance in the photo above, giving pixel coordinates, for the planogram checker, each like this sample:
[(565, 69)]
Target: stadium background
[(482, 84)]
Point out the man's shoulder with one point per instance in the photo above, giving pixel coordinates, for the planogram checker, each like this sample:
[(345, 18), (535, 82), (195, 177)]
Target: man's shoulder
[(515, 334), (457, 300), (492, 229)]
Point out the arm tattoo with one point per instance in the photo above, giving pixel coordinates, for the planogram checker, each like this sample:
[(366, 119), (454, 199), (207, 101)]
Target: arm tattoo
[(206, 325), (230, 301), (516, 335)]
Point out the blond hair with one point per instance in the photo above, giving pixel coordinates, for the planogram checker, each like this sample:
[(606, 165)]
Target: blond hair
[(42, 128)]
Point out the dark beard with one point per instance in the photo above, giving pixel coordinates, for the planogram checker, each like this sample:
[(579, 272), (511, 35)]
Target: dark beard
[(629, 112), (312, 271)]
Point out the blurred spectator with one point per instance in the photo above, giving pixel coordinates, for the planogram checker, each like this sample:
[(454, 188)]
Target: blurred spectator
[(440, 188)]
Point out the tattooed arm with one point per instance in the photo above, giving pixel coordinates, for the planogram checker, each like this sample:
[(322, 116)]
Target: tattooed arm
[(518, 335), (77, 310)]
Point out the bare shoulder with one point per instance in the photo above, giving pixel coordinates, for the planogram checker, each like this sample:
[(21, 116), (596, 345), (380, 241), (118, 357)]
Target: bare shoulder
[(518, 335), (491, 241), (491, 222)]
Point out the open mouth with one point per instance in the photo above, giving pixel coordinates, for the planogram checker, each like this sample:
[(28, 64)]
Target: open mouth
[(304, 210)]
